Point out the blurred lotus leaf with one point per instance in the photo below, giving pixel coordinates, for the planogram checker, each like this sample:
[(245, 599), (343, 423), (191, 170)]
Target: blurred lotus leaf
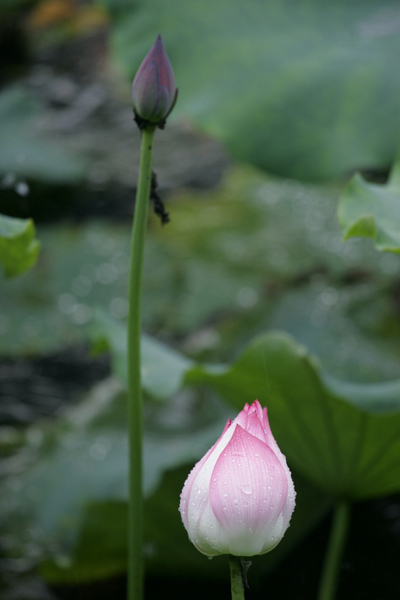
[(304, 89), (256, 253), (341, 439), (24, 150), (370, 210), (66, 503), (342, 436), (18, 247)]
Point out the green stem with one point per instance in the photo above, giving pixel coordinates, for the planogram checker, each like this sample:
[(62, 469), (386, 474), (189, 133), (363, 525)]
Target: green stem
[(237, 584), (333, 558), (135, 508)]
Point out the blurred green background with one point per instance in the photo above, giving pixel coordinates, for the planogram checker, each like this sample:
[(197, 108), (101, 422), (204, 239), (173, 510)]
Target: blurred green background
[(280, 102)]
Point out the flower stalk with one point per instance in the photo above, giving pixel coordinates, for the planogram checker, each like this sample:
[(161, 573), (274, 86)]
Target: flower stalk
[(237, 582), (153, 97), (333, 558), (135, 508)]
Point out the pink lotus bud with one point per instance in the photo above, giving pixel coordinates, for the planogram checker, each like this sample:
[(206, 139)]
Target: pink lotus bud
[(239, 498), (153, 90)]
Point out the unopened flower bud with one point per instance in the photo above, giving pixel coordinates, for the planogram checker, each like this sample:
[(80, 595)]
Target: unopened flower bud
[(239, 497), (154, 91)]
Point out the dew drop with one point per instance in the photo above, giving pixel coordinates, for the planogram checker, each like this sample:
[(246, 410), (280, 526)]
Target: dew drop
[(247, 489), (22, 188)]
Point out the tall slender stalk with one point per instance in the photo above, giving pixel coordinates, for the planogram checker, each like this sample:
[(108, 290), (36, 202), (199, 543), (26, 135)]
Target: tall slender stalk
[(135, 508), (333, 558), (237, 584)]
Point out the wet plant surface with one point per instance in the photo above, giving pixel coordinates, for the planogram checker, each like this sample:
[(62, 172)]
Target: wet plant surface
[(245, 253), (43, 386)]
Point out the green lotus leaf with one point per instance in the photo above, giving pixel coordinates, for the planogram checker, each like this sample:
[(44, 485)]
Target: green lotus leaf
[(302, 88), (18, 247), (344, 437), (24, 150), (370, 210)]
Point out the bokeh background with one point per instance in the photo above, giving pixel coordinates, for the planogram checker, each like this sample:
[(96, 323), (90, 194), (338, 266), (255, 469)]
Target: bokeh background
[(280, 102)]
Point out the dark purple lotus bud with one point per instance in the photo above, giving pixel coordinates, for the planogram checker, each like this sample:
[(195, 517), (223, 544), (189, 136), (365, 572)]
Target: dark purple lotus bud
[(153, 90)]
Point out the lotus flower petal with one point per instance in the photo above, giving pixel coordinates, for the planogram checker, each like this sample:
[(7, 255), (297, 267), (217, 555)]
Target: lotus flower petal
[(240, 496)]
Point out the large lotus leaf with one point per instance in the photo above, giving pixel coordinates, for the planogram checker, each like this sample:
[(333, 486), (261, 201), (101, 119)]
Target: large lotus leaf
[(64, 499), (101, 550), (18, 247), (259, 230), (370, 210), (186, 280), (83, 457), (345, 326), (354, 330), (220, 256), (344, 437), (79, 268), (162, 370), (24, 150), (302, 88)]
